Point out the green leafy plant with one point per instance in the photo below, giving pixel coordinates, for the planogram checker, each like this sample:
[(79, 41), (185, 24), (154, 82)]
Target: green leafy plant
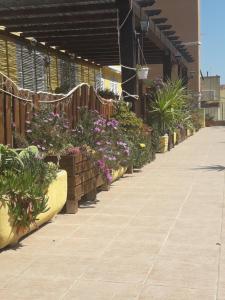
[(9, 160), (169, 109), (24, 185), (137, 133)]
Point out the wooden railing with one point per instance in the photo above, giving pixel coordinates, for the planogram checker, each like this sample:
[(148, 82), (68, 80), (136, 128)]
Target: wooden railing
[(17, 106)]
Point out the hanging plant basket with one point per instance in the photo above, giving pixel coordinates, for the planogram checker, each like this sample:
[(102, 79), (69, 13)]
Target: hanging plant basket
[(142, 73)]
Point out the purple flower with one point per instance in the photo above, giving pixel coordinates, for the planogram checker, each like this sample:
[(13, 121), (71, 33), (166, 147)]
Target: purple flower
[(97, 129), (56, 115)]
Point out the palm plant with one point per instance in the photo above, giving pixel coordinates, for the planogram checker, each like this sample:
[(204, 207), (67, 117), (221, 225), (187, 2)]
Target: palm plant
[(169, 107)]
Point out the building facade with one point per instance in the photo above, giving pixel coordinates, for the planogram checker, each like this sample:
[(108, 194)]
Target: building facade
[(184, 16)]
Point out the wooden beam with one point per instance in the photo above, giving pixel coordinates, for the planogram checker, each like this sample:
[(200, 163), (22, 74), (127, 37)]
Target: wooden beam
[(71, 33), (34, 19), (165, 27), (76, 29), (63, 25), (54, 8), (145, 3), (153, 12), (75, 38)]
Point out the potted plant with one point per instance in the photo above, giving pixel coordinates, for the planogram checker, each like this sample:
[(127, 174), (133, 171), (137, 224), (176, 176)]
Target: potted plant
[(167, 110), (31, 193)]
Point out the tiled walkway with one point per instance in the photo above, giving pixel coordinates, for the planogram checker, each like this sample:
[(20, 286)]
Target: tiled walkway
[(157, 235)]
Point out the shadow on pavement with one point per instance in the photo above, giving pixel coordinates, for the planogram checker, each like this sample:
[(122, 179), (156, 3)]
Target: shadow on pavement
[(218, 168)]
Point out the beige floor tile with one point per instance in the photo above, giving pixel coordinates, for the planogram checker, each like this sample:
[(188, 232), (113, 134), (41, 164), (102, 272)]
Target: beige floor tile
[(97, 231), (152, 292), (100, 290), (180, 273), (37, 289), (12, 265), (187, 250), (122, 271), (221, 293), (133, 249), (55, 231), (58, 267), (83, 247), (120, 211), (138, 234), (108, 220), (71, 219)]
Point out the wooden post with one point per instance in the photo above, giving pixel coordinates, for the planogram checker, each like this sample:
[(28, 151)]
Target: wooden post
[(184, 75), (167, 66), (127, 49), (2, 126)]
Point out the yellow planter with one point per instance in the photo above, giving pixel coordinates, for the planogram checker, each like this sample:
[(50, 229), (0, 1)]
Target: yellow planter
[(116, 174), (175, 138), (163, 143), (56, 194), (188, 132)]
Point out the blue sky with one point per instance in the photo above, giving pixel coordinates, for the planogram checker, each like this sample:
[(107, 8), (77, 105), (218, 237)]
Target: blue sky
[(213, 37)]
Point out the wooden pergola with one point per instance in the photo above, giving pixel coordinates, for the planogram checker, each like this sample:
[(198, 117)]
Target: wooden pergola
[(89, 29)]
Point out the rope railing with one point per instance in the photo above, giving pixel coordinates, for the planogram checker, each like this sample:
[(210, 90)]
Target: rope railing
[(17, 106)]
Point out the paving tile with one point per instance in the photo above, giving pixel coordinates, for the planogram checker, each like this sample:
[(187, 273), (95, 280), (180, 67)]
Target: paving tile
[(122, 271), (152, 292), (58, 267), (108, 220), (83, 247), (38, 288), (97, 231), (180, 273), (100, 290), (133, 249)]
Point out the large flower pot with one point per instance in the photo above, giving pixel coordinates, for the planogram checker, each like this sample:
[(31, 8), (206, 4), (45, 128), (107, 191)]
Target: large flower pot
[(117, 174), (188, 132), (174, 138), (163, 143), (56, 194)]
